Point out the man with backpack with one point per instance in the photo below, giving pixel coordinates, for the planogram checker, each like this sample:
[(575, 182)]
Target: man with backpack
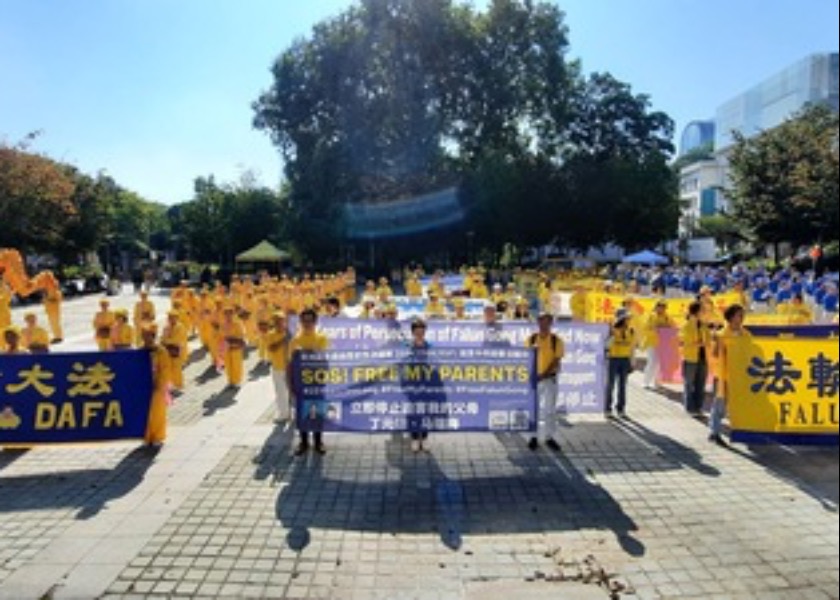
[(550, 352)]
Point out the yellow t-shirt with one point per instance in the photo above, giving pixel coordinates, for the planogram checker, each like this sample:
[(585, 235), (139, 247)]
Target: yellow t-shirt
[(724, 342), (280, 356), (621, 343), (550, 350), (102, 323), (315, 341), (122, 335), (651, 333), (35, 336)]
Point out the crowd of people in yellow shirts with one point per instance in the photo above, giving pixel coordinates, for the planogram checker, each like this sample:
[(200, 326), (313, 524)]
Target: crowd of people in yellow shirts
[(253, 313)]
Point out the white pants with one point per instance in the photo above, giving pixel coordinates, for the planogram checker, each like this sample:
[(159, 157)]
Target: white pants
[(281, 394), (547, 409), (651, 367)]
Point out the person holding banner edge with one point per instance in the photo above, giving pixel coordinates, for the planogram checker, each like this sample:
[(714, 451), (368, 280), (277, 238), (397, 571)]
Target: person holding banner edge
[(694, 339), (732, 333), (550, 351), (418, 342), (308, 339)]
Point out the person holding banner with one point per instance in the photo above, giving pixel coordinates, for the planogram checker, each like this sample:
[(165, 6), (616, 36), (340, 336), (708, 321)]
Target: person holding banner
[(732, 333), (694, 340), (799, 312), (418, 343), (658, 318), (550, 351), (156, 425), (620, 347), (276, 344), (308, 339)]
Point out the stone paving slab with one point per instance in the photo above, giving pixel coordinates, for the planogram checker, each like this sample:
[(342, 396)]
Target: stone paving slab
[(659, 518)]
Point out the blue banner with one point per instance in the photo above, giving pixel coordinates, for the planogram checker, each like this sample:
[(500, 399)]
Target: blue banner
[(581, 384), (804, 331), (74, 397), (403, 389), (452, 282)]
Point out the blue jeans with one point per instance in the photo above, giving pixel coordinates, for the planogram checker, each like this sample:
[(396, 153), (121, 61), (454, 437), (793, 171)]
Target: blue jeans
[(716, 416), (694, 385), (619, 369)]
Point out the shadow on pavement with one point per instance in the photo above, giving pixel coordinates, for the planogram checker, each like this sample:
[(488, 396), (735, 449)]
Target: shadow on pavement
[(209, 374), (88, 489), (259, 370), (501, 490), (812, 469), (10, 455), (665, 446), (219, 400)]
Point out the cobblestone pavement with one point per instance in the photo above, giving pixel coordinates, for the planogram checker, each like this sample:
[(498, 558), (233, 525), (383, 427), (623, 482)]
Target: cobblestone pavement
[(639, 508)]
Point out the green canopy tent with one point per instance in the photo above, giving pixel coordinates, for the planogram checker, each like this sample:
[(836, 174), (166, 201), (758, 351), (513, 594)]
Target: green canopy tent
[(264, 255)]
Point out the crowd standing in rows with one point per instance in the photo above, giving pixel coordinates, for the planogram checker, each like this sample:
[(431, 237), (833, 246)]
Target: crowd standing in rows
[(254, 313)]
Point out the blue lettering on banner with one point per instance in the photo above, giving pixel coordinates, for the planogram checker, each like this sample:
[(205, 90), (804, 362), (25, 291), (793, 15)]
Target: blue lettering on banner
[(581, 384), (400, 389)]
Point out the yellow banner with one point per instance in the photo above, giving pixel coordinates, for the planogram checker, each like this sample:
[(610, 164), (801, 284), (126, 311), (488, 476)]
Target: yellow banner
[(601, 307), (768, 319), (783, 387)]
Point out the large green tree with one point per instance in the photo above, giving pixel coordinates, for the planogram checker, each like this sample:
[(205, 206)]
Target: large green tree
[(784, 180), (393, 98), (223, 220)]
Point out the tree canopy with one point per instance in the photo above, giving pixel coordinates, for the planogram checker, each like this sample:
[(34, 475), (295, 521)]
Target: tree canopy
[(394, 98), (784, 181), (51, 207)]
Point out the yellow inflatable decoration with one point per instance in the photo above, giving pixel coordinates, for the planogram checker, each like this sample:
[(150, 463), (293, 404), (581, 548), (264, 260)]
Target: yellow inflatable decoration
[(13, 272)]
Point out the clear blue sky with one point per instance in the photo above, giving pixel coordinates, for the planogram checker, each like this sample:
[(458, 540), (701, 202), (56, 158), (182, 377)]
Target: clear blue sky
[(158, 92)]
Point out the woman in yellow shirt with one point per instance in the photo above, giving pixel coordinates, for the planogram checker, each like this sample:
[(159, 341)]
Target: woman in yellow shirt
[(650, 340), (620, 346), (733, 333)]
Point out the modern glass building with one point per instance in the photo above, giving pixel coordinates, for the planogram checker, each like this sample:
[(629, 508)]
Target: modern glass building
[(810, 80), (697, 134)]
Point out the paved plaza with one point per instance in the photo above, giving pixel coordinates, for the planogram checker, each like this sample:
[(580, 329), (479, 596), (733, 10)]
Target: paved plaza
[(639, 508)]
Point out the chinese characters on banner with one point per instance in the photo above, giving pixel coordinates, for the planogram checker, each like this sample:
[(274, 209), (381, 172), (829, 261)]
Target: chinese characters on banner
[(785, 390), (75, 397), (399, 389), (580, 385)]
